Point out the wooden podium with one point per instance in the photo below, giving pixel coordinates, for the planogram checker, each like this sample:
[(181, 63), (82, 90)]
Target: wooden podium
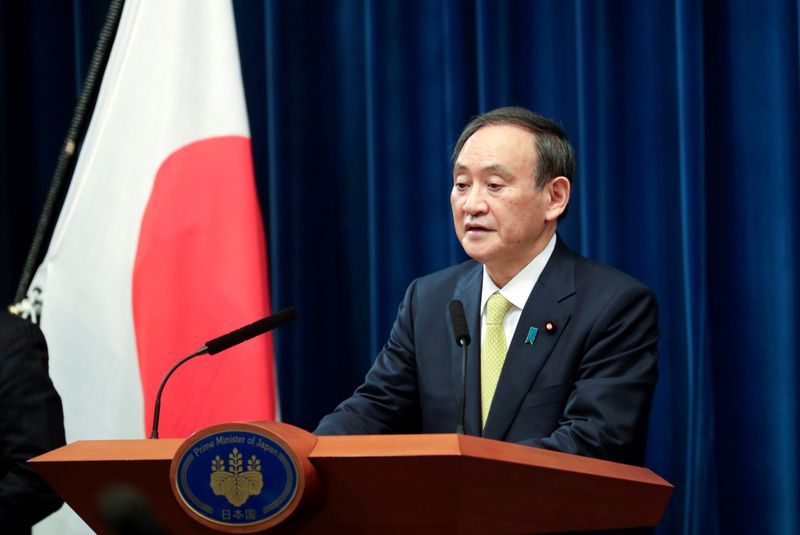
[(384, 484)]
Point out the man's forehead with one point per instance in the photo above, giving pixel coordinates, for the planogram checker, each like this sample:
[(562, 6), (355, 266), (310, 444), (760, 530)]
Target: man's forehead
[(493, 168), (497, 146)]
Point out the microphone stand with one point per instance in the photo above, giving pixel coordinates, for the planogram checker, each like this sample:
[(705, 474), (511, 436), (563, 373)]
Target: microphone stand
[(221, 343), (463, 343)]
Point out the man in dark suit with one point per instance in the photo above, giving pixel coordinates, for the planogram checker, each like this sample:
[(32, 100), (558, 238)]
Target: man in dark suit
[(31, 423), (565, 354)]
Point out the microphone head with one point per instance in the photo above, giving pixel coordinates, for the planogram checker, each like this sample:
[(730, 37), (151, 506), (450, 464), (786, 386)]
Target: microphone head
[(284, 316), (247, 332), (459, 321), (126, 511)]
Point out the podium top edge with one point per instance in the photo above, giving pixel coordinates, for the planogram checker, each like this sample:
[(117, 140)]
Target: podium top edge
[(113, 450), (465, 446)]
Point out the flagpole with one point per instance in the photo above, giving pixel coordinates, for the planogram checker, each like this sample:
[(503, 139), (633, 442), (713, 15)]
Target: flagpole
[(66, 157)]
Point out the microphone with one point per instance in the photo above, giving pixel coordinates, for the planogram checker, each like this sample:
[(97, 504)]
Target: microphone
[(221, 343), (459, 320), (461, 331), (127, 512)]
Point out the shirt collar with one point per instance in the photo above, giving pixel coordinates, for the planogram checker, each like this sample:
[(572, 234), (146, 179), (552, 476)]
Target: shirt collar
[(518, 288)]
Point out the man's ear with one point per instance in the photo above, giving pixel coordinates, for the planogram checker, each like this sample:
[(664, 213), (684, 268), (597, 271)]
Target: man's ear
[(558, 189)]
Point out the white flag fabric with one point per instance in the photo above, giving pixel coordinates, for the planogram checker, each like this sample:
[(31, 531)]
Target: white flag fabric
[(160, 245)]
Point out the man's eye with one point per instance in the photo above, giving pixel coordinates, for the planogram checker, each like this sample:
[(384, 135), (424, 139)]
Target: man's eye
[(460, 186), (494, 186)]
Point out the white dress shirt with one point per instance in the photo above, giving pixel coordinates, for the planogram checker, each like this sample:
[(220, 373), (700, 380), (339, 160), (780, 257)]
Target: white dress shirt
[(516, 291)]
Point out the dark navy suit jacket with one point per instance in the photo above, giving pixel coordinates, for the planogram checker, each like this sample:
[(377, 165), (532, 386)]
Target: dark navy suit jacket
[(583, 388)]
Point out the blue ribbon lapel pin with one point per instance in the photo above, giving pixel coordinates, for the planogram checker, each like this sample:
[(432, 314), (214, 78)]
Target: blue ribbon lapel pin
[(531, 335)]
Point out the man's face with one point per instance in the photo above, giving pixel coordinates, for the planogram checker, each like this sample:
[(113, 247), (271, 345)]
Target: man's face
[(500, 218)]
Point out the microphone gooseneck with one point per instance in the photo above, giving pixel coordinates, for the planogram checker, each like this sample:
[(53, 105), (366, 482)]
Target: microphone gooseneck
[(157, 409), (461, 333)]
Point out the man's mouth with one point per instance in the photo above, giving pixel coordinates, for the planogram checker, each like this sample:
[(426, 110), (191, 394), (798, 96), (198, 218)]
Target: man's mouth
[(472, 227)]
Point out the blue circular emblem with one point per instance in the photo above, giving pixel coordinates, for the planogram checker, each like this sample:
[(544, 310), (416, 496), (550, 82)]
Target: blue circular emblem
[(236, 478)]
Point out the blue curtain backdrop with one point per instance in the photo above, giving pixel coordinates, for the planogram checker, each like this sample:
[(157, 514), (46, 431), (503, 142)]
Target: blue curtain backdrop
[(685, 116)]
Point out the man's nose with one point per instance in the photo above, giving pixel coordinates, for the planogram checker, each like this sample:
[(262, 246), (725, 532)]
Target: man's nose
[(475, 202)]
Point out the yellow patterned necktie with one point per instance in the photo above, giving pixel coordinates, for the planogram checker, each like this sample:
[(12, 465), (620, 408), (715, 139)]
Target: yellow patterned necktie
[(493, 350)]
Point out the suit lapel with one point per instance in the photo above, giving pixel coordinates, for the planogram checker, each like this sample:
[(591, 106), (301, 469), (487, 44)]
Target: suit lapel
[(468, 291), (525, 360)]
